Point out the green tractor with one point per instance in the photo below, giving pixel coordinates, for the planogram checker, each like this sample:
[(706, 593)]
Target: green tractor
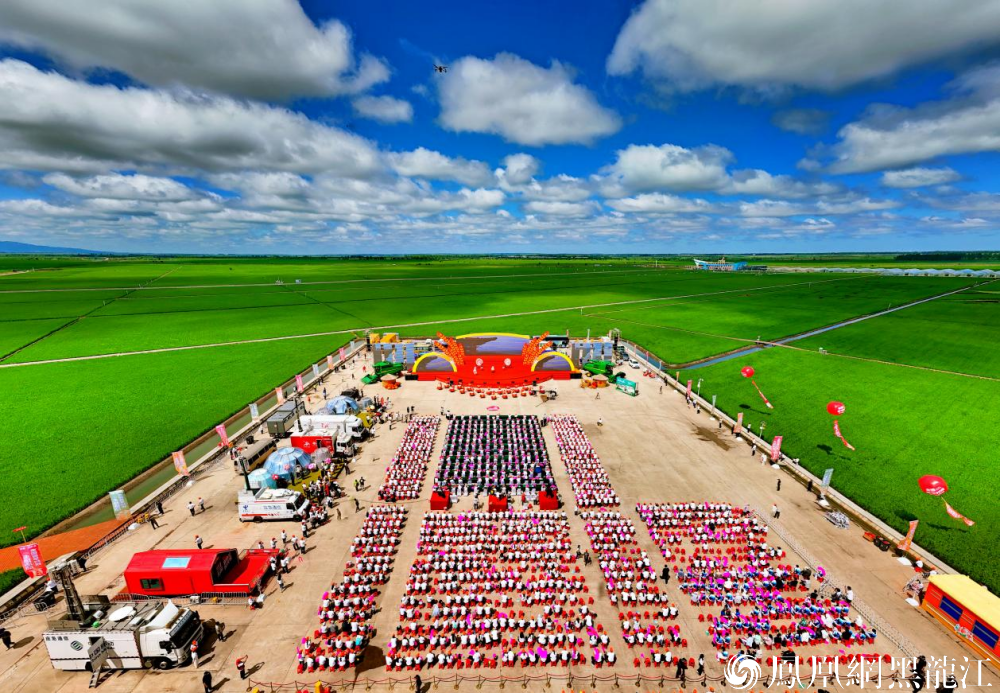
[(382, 368), (605, 368)]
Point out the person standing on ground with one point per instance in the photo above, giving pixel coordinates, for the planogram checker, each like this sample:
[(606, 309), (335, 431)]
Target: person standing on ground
[(198, 541), (220, 631), (763, 459), (666, 575), (5, 638), (753, 450), (206, 680), (194, 653), (153, 523), (779, 485), (417, 683), (701, 665), (919, 678), (241, 666), (159, 507), (681, 672), (201, 504), (357, 505), (775, 512), (284, 538), (191, 508), (281, 583)]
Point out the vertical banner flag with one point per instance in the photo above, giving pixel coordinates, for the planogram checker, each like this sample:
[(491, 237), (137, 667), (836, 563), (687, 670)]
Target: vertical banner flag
[(957, 515), (827, 475), (713, 405), (775, 448), (329, 362), (908, 539), (31, 560), (180, 464), (836, 432), (689, 389), (738, 428), (280, 394), (254, 411), (315, 370), (343, 354), (119, 504), (677, 376), (221, 430), (298, 383)]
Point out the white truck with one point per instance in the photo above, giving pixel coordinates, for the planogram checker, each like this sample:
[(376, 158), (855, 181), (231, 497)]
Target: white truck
[(141, 635), (271, 504), (333, 425)]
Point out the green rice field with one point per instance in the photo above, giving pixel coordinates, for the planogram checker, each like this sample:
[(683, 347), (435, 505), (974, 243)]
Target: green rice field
[(117, 416)]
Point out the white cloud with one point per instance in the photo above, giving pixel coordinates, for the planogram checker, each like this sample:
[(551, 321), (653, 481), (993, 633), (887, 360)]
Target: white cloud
[(802, 121), (518, 169), (424, 163), (758, 182), (782, 208), (565, 209), (891, 136), (384, 109), (659, 203), (51, 122), (669, 167), (521, 102), (919, 177), (825, 44), (265, 49), (121, 187)]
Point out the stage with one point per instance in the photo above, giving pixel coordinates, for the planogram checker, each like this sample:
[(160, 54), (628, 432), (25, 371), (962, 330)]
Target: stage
[(494, 360)]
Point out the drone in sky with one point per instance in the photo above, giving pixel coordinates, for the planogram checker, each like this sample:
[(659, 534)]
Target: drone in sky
[(440, 68)]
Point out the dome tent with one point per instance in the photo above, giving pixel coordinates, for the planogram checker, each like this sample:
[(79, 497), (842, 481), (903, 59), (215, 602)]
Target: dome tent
[(284, 461), (342, 405), (259, 478)]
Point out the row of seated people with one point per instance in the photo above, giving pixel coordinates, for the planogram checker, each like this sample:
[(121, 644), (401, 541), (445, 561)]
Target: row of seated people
[(406, 472), (502, 455), (631, 582), (496, 589), (591, 485), (731, 567), (347, 608)]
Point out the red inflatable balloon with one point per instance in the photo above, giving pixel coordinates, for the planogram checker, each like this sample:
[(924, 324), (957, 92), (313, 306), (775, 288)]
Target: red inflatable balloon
[(934, 485), (836, 408), (747, 371)]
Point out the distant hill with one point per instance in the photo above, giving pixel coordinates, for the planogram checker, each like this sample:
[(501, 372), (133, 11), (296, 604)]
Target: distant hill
[(29, 249)]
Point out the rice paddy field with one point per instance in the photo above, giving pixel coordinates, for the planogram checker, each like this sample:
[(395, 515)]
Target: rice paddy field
[(89, 425)]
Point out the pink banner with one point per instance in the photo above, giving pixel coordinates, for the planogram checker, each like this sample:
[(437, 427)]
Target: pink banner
[(957, 515), (298, 383), (221, 430), (689, 389), (280, 394), (775, 448), (31, 560), (343, 354), (836, 432), (180, 463), (908, 539), (329, 362), (766, 401), (738, 428)]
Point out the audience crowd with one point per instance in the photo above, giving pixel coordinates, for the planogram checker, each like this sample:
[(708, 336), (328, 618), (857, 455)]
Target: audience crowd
[(760, 602), (406, 472), (499, 455), (496, 589), (348, 607), (591, 484), (644, 611)]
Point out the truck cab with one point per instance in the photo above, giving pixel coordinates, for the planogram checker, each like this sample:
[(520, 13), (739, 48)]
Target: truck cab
[(272, 504)]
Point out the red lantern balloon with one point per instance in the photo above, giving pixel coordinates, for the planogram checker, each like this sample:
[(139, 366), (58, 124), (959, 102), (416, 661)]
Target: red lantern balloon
[(934, 485), (747, 371), (836, 408)]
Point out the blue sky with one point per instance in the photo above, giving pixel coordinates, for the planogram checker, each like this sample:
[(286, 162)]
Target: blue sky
[(270, 126)]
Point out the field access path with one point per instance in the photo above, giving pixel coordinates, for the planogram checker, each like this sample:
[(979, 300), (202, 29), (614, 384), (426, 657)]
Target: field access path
[(361, 330)]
